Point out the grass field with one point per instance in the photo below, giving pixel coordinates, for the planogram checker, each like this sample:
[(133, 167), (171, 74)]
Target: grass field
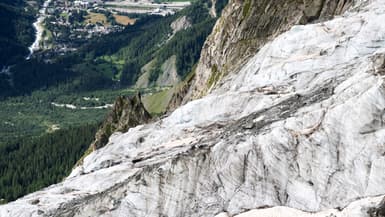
[(124, 20), (96, 18), (35, 114), (156, 103)]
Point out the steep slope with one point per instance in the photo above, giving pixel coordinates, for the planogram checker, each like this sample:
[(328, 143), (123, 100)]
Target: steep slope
[(127, 112), (298, 131), (17, 32), (245, 27)]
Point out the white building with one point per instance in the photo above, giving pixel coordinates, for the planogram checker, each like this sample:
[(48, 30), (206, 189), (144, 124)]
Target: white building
[(82, 4)]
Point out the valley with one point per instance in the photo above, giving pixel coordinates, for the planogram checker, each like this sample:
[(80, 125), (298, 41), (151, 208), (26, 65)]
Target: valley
[(63, 26), (17, 32), (162, 8), (83, 58), (39, 28)]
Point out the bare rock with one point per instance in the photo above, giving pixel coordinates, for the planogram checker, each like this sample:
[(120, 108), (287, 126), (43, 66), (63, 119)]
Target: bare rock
[(127, 112)]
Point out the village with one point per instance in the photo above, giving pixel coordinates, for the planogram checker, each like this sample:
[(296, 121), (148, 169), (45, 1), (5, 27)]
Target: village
[(69, 24)]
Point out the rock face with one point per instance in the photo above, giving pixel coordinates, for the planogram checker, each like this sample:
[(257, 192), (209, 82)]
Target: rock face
[(127, 112), (170, 75), (213, 12), (378, 211), (179, 92), (299, 130), (179, 24), (245, 27)]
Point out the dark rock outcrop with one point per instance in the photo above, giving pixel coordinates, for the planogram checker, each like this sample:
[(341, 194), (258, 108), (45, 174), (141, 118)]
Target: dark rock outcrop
[(179, 93), (378, 211), (127, 112)]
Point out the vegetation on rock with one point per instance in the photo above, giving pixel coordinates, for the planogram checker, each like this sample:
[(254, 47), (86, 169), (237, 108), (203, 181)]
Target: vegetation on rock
[(127, 112)]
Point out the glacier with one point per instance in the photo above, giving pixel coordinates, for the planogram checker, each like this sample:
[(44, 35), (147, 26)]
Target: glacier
[(298, 131)]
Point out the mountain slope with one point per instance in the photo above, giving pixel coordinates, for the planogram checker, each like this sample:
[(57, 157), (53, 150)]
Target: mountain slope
[(245, 27), (17, 32), (74, 90), (299, 127)]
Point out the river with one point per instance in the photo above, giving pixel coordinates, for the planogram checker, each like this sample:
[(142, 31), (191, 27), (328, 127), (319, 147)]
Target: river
[(39, 29)]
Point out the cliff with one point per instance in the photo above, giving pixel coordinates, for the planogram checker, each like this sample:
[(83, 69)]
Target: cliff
[(127, 112)]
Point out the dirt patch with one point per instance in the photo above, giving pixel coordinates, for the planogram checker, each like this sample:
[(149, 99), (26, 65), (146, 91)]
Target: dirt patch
[(96, 18), (124, 20)]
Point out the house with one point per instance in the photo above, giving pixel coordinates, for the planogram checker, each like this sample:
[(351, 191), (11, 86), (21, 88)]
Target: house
[(81, 4)]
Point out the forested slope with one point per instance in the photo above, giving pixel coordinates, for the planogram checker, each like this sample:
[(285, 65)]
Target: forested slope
[(16, 32), (29, 164)]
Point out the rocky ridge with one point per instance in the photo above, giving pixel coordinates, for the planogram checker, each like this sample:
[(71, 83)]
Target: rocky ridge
[(297, 131), (127, 112)]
